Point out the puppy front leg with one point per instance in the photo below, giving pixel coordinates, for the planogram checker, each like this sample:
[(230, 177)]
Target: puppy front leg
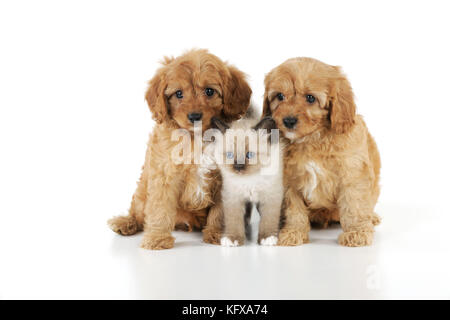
[(160, 212), (234, 225), (296, 225), (356, 217), (213, 229)]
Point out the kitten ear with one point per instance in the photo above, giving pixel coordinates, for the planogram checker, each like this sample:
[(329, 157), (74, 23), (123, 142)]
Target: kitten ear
[(216, 123), (266, 123)]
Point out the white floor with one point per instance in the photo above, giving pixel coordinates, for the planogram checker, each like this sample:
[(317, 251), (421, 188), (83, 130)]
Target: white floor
[(408, 260)]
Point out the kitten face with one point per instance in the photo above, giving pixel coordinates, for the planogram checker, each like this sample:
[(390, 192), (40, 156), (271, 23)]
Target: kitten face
[(245, 151), (241, 153)]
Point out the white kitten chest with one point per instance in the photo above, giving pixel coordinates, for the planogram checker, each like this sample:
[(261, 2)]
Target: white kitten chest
[(251, 188)]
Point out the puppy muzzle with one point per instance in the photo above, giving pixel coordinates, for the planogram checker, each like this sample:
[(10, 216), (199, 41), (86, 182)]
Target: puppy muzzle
[(290, 122)]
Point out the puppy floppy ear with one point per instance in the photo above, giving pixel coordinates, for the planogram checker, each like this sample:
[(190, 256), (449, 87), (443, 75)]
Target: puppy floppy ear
[(341, 104), (236, 96), (156, 99)]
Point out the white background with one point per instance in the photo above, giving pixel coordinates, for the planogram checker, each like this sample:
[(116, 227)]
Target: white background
[(74, 127)]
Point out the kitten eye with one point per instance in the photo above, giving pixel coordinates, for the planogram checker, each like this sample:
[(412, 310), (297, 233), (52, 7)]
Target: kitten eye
[(179, 94), (280, 96), (209, 92), (230, 155), (310, 98), (250, 155)]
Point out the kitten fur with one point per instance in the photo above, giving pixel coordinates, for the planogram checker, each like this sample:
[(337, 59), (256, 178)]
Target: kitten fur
[(246, 183)]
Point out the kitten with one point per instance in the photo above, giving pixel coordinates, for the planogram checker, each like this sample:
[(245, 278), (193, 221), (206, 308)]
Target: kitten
[(249, 158)]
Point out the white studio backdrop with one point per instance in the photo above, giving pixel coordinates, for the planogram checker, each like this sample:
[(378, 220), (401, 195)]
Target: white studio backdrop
[(74, 122)]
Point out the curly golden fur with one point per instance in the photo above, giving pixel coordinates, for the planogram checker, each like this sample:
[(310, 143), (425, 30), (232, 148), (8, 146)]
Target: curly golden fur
[(170, 194), (332, 164)]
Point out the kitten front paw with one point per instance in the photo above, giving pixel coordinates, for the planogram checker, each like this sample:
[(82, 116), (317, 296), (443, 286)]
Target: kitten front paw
[(227, 242), (269, 241)]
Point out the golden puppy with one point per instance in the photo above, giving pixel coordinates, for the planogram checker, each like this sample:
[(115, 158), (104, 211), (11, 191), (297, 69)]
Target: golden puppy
[(196, 86), (332, 163)]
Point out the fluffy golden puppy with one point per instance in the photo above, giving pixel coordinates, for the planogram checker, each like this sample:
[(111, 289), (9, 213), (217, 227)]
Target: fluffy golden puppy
[(196, 86), (332, 164)]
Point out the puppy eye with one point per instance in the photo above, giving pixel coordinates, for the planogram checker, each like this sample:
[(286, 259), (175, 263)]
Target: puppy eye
[(310, 98), (250, 155), (280, 96), (230, 155), (209, 92), (179, 94)]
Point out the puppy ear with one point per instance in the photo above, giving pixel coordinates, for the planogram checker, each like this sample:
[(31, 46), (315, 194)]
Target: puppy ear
[(156, 99), (342, 106), (216, 123), (237, 95)]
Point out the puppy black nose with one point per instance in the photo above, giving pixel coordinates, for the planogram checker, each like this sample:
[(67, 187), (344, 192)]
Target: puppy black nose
[(290, 122), (194, 116), (239, 166)]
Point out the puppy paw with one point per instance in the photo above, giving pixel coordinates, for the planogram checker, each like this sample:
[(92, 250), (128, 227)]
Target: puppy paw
[(289, 237), (211, 235), (123, 225), (376, 220), (269, 241), (356, 238), (157, 242), (227, 242)]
